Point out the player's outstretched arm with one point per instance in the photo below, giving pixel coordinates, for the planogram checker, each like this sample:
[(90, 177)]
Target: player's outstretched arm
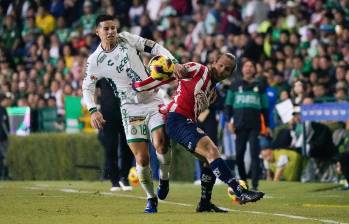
[(88, 92), (150, 84)]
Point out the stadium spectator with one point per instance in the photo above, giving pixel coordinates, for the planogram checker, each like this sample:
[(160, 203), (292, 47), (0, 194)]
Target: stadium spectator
[(45, 21), (282, 164), (245, 102), (113, 138)]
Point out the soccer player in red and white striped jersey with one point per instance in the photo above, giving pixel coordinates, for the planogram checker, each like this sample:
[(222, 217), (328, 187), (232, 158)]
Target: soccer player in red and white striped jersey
[(195, 92)]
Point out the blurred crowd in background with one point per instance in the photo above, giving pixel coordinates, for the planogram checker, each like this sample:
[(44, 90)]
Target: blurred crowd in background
[(300, 48)]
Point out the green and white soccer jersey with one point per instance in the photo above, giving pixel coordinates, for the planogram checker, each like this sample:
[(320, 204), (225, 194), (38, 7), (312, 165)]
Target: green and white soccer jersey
[(123, 65)]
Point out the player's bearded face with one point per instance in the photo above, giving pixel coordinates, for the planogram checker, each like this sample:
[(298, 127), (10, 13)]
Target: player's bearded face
[(107, 31), (224, 67)]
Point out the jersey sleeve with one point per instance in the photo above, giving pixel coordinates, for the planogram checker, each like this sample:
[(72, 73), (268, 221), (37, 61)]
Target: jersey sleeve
[(146, 45), (89, 83), (193, 69), (150, 84)]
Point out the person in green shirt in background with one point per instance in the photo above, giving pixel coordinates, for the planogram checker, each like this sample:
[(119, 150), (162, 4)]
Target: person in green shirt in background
[(246, 102)]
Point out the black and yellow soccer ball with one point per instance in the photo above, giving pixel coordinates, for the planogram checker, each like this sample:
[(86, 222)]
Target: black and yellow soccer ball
[(133, 177), (161, 68)]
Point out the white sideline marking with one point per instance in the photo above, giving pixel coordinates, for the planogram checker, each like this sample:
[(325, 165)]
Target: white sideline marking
[(70, 190)]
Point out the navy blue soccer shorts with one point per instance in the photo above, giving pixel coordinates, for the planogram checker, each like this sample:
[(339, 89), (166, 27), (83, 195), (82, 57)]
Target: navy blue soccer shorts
[(183, 131)]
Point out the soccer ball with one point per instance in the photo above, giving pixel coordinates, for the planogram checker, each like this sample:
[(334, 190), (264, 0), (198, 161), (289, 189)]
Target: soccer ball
[(132, 177), (161, 68), (231, 193)]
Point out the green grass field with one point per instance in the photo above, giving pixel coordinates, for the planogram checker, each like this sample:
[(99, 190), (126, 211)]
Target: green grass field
[(90, 202)]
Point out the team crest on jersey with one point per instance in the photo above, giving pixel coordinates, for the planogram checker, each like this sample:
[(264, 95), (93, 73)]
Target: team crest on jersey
[(255, 89), (122, 48), (133, 131)]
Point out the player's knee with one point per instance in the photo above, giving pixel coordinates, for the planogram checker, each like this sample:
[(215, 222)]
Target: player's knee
[(212, 153), (142, 160), (160, 146)]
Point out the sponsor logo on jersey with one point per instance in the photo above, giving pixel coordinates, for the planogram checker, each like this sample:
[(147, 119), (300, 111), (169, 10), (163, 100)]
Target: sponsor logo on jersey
[(110, 63), (131, 74), (247, 99), (101, 59), (122, 64)]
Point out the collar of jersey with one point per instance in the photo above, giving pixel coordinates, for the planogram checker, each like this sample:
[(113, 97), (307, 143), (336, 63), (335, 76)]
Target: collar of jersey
[(109, 50)]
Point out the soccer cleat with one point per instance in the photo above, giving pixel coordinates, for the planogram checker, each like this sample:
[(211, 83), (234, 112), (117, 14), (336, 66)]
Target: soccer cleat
[(115, 187), (152, 205), (249, 196), (125, 185), (163, 189), (208, 207)]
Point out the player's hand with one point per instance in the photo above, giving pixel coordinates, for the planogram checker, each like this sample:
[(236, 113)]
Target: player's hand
[(97, 120), (179, 71)]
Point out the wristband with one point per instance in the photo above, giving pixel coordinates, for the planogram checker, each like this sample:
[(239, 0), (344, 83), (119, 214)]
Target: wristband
[(174, 61), (92, 110)]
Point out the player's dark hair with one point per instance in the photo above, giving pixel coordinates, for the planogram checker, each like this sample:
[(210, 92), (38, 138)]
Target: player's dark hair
[(102, 18)]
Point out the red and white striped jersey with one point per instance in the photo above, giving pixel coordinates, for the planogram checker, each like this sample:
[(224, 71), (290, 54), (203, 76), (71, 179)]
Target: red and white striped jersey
[(194, 93)]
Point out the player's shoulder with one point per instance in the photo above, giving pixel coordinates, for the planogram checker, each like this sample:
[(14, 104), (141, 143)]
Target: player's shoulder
[(190, 66), (124, 34), (127, 36), (96, 57)]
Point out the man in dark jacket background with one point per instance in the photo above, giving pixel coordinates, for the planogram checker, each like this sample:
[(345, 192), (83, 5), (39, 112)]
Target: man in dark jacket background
[(113, 139), (245, 103)]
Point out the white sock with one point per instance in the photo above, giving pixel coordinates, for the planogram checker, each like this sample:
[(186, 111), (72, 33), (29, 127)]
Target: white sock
[(145, 179), (165, 164)]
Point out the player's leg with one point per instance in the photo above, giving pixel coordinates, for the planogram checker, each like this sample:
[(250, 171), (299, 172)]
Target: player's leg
[(208, 180), (137, 138), (126, 161), (163, 153), (140, 151), (241, 141), (255, 160), (206, 148), (186, 133), (109, 138)]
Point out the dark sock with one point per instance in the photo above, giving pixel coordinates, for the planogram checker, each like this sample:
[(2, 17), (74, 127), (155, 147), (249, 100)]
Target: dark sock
[(208, 179), (221, 171)]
